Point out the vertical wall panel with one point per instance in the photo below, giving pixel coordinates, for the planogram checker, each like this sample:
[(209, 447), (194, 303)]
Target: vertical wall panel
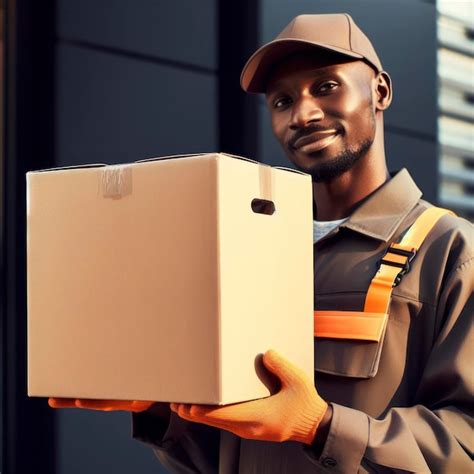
[(182, 31), (112, 108), (28, 434), (96, 442)]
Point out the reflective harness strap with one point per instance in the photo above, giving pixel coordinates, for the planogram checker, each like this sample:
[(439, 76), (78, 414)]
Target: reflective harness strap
[(369, 324), (396, 261), (349, 325)]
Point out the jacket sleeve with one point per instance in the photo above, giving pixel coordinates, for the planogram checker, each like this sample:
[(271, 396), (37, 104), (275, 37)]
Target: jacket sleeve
[(181, 446), (435, 434)]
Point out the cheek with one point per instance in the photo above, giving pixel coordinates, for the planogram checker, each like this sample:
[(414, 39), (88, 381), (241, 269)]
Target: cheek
[(351, 105), (279, 128), (354, 101), (356, 115)]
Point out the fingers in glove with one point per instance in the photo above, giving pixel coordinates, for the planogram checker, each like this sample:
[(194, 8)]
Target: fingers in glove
[(113, 405), (287, 372), (239, 415), (62, 402)]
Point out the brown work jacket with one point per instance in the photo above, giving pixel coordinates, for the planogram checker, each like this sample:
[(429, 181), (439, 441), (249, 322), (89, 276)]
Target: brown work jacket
[(401, 405)]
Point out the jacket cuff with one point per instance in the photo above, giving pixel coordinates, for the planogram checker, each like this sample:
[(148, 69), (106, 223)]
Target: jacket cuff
[(346, 442), (155, 431)]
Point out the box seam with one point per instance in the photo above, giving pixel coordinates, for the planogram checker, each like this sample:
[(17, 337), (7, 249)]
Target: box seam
[(218, 278)]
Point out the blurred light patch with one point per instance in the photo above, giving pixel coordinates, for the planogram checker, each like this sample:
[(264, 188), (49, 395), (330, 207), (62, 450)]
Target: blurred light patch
[(456, 105)]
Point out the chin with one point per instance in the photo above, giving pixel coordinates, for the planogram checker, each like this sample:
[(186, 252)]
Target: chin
[(308, 160)]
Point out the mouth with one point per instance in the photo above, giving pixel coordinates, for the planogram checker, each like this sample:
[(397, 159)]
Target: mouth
[(315, 141)]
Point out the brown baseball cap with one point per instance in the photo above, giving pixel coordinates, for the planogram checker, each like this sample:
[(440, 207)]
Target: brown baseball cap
[(336, 32)]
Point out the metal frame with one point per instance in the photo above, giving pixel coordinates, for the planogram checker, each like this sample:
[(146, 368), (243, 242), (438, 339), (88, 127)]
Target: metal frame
[(238, 111), (27, 423)]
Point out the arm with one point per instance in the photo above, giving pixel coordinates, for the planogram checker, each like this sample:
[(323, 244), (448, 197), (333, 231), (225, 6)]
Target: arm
[(435, 434)]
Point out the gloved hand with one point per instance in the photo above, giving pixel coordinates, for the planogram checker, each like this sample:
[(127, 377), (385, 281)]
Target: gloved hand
[(103, 405), (293, 413)]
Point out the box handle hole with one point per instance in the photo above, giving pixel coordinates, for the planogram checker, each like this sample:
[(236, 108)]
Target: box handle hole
[(263, 206)]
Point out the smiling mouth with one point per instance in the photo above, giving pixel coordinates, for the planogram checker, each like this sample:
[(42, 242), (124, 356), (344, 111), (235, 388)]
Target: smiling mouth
[(314, 142)]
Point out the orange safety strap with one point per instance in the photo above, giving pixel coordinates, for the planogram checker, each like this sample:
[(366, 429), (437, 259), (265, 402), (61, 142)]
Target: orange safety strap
[(369, 324), (396, 261), (349, 325)]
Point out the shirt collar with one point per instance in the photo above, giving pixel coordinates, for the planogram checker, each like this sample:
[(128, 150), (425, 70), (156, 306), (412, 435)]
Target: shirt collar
[(381, 212)]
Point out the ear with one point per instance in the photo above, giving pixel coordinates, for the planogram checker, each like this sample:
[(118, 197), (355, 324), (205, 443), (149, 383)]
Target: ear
[(383, 91)]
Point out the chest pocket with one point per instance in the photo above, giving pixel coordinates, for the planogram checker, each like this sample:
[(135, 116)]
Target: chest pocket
[(350, 343)]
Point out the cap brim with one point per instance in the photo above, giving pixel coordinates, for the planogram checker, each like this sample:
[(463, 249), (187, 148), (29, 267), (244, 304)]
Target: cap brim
[(254, 74)]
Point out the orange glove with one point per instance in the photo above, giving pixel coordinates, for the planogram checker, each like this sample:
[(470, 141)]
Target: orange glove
[(103, 405), (294, 413)]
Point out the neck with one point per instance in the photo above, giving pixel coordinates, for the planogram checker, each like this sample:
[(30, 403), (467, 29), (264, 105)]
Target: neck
[(337, 199)]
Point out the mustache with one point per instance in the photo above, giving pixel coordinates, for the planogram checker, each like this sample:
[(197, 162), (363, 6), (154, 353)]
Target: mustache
[(303, 132)]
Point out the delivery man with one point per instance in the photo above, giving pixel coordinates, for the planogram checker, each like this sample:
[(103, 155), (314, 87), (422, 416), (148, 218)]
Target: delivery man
[(393, 293)]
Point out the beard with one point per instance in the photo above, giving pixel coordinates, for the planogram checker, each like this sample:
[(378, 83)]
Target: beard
[(340, 164)]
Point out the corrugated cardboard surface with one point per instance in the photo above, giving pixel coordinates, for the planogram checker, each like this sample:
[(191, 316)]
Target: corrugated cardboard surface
[(155, 280)]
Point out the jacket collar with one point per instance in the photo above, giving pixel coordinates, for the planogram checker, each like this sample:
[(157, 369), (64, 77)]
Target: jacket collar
[(381, 212)]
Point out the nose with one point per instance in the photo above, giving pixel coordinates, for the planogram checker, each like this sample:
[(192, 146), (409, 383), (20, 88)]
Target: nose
[(304, 112)]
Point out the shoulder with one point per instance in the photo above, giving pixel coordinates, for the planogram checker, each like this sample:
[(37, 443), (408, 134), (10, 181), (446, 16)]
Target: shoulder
[(454, 235)]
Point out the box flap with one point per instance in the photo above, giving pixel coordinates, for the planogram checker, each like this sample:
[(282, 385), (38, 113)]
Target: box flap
[(186, 155), (284, 168), (243, 158), (92, 165), (265, 164), (169, 157)]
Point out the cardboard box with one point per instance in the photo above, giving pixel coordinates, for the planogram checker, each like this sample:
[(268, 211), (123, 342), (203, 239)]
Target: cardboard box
[(157, 280)]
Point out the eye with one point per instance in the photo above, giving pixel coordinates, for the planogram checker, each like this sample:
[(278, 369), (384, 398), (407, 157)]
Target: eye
[(325, 86), (280, 102)]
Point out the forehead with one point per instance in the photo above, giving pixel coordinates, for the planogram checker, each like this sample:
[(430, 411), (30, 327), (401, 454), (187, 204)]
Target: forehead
[(306, 63)]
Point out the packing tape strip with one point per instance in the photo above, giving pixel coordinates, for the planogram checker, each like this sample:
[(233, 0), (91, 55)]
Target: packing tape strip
[(116, 181), (266, 182)]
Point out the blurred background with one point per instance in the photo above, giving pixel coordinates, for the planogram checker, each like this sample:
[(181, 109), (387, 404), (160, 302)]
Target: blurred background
[(114, 81)]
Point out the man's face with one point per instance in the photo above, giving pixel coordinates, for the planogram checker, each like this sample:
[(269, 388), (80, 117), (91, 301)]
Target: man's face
[(322, 112)]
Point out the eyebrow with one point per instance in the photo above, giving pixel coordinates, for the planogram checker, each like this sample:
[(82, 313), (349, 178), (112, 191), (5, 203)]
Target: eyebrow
[(317, 73)]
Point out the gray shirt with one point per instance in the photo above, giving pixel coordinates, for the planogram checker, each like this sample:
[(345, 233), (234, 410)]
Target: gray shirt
[(321, 228)]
